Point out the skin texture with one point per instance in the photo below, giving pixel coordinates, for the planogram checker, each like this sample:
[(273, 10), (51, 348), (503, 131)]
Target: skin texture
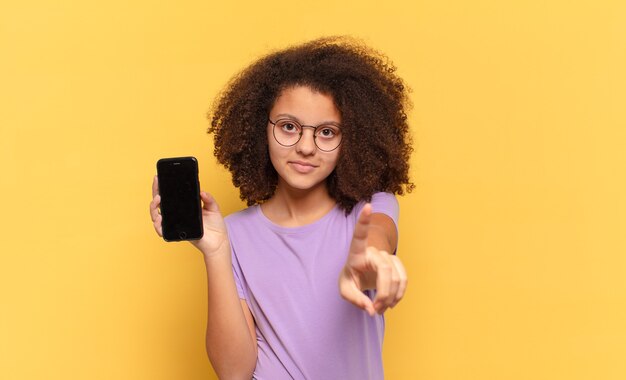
[(301, 194), (304, 166)]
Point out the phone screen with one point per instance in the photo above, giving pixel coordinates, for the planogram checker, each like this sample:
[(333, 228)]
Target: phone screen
[(180, 198)]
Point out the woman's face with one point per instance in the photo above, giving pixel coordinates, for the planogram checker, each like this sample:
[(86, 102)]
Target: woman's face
[(303, 166)]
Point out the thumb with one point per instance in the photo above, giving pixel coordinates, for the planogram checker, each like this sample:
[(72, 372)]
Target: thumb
[(359, 239), (209, 203)]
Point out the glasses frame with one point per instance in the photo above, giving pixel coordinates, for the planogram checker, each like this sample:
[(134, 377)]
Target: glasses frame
[(302, 126)]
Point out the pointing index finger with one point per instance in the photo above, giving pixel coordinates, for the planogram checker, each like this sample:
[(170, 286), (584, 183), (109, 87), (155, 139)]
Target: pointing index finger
[(359, 239)]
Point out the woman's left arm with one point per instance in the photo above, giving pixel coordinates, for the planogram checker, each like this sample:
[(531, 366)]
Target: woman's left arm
[(371, 264)]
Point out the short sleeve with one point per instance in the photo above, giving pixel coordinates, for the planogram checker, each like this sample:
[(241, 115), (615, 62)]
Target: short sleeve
[(382, 203), (386, 203)]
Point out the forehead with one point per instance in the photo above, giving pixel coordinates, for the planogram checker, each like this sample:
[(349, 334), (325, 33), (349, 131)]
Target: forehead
[(306, 105)]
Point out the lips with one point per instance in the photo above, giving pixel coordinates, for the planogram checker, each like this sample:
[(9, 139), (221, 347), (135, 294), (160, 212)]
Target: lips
[(302, 166)]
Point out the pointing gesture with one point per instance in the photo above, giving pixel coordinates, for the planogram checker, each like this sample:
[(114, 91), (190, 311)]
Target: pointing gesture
[(370, 266)]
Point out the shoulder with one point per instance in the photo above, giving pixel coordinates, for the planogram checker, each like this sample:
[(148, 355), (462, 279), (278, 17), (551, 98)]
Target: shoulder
[(383, 203), (245, 216)]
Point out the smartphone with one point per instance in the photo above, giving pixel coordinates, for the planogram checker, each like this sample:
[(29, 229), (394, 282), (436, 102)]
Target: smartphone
[(181, 208)]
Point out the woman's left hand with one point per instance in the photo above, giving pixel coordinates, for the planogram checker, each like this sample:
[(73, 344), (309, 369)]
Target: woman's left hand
[(367, 267)]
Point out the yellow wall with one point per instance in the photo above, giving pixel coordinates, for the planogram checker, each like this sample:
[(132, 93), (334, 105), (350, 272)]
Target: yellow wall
[(514, 239)]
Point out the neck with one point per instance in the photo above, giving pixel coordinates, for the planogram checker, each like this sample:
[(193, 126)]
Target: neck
[(291, 207)]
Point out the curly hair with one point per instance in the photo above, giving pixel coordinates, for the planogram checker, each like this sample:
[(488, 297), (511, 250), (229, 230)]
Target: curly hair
[(372, 101)]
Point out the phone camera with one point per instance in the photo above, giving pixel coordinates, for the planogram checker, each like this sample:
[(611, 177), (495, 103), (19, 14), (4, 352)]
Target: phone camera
[(182, 235)]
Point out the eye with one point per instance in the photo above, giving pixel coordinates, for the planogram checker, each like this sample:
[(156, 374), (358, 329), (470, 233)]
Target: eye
[(289, 127), (327, 132)]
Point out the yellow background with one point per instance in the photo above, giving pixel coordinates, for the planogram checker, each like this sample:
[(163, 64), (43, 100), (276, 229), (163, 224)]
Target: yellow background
[(514, 239)]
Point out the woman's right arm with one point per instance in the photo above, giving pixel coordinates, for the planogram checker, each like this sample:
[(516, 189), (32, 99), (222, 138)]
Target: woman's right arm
[(230, 336)]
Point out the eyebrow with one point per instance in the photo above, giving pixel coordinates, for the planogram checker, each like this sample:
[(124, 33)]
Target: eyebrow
[(290, 116)]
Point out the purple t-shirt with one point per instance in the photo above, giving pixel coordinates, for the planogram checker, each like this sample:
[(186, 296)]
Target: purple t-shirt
[(288, 277)]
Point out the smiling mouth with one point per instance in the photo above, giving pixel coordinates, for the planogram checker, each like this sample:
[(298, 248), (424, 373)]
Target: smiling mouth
[(302, 167), (303, 163)]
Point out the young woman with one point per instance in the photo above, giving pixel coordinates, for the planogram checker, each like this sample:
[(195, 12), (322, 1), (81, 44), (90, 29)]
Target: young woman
[(316, 138)]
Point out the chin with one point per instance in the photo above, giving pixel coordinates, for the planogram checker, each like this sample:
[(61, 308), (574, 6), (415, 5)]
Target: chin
[(305, 185)]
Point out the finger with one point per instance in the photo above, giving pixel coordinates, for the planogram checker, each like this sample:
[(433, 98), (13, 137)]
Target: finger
[(209, 203), (403, 280), (158, 225), (155, 214), (383, 268), (154, 207), (394, 283), (359, 239), (351, 293), (155, 186)]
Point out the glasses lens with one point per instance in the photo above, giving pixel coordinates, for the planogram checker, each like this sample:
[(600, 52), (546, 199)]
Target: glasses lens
[(327, 137), (287, 132)]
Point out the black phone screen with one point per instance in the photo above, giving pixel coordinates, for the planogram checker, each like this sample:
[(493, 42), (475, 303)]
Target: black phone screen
[(180, 198)]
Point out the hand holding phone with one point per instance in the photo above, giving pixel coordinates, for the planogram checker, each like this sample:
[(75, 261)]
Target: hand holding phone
[(180, 206)]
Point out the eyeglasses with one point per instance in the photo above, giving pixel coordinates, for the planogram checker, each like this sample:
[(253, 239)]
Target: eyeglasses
[(288, 132)]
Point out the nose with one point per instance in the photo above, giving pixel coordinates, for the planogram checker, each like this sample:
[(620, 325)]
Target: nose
[(306, 145)]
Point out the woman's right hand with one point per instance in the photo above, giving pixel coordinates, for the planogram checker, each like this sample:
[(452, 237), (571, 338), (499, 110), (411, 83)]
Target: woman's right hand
[(215, 238)]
